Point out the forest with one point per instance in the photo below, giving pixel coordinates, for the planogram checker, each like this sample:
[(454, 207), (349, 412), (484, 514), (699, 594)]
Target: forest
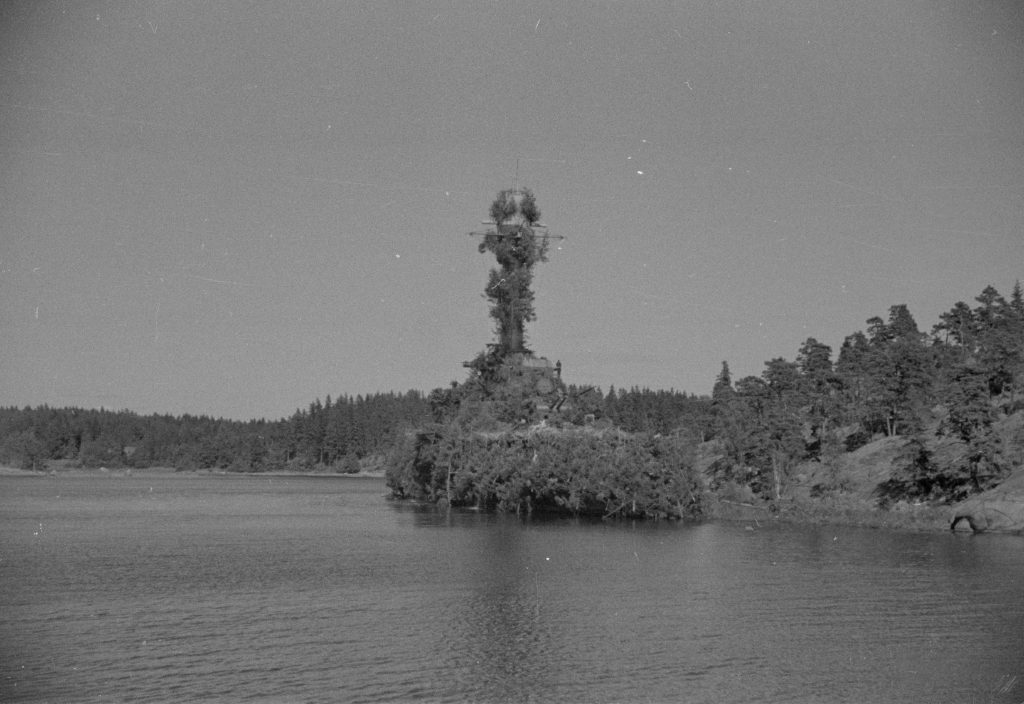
[(954, 382), (328, 436), (949, 387)]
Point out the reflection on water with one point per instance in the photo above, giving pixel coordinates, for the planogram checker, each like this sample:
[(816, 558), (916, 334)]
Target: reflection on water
[(301, 589), (499, 636), (716, 612)]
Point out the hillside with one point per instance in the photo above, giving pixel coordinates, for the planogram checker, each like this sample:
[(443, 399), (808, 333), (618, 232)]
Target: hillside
[(862, 486)]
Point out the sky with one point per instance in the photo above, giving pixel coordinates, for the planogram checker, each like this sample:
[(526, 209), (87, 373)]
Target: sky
[(234, 208)]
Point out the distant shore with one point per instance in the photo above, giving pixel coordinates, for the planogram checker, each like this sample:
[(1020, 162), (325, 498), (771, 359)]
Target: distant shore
[(166, 471)]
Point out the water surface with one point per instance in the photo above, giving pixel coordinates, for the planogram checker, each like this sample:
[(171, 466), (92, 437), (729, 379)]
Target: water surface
[(243, 588)]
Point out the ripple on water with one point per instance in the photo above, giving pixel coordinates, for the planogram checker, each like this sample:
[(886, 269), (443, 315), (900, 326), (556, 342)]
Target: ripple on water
[(318, 590)]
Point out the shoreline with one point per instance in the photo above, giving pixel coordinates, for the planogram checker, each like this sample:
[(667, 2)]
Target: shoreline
[(846, 511), (837, 511)]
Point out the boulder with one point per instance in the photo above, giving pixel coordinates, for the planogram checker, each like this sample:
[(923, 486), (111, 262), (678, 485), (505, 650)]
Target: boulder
[(999, 510)]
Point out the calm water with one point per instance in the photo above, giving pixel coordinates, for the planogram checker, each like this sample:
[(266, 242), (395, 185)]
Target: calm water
[(182, 588)]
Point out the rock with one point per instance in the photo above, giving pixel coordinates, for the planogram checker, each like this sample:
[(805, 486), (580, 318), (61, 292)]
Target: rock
[(999, 510)]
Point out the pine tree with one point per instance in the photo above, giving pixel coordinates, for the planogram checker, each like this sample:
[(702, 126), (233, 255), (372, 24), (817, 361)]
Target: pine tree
[(1000, 348), (722, 390), (898, 369), (970, 419), (1017, 300), (820, 387)]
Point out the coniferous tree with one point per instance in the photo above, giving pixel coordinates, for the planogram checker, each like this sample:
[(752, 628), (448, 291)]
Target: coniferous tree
[(783, 421), (1017, 300), (820, 386), (958, 329), (611, 405), (970, 419), (854, 370), (897, 369), (722, 389)]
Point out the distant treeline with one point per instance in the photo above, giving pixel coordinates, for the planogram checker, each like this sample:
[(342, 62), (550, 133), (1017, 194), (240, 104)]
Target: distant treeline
[(891, 379), (328, 436)]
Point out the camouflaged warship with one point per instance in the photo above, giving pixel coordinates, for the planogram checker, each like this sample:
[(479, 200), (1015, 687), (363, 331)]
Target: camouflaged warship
[(513, 436)]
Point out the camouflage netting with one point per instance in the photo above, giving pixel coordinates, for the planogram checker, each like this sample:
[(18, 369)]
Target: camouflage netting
[(570, 471)]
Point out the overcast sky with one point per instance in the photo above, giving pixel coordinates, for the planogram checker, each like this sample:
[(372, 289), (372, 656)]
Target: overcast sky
[(232, 208)]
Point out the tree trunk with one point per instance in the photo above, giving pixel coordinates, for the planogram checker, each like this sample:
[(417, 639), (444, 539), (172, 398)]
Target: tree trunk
[(777, 475)]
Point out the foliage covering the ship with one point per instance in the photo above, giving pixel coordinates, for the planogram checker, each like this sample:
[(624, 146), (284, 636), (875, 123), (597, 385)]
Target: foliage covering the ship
[(573, 471)]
